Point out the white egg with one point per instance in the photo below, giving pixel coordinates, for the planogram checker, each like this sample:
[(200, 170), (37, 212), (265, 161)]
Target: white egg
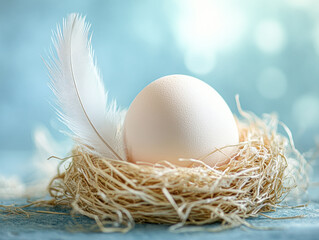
[(179, 116)]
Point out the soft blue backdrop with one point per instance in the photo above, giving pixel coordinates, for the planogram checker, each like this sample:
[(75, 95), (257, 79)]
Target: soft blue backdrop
[(266, 51)]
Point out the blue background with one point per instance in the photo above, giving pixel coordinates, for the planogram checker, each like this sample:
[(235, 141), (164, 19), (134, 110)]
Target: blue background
[(267, 52)]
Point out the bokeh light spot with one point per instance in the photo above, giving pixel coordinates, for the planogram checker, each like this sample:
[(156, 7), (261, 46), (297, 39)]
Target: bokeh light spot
[(149, 32), (306, 111), (205, 25), (270, 36), (199, 63), (205, 28), (301, 3), (272, 83)]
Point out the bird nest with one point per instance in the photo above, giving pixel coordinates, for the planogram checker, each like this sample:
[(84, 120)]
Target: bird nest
[(118, 194)]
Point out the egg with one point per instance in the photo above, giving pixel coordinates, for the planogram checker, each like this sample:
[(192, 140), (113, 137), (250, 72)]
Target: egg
[(179, 117)]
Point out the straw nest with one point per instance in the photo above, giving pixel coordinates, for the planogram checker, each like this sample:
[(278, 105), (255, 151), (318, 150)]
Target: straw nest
[(118, 194)]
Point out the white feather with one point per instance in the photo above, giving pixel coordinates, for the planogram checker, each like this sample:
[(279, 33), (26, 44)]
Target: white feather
[(76, 82)]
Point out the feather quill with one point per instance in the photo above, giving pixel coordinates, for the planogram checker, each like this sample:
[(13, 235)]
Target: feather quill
[(75, 80)]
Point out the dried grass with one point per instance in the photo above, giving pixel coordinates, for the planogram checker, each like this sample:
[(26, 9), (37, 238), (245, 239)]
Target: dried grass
[(119, 194)]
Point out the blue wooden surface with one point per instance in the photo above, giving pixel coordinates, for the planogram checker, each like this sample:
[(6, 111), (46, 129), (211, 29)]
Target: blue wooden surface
[(47, 226)]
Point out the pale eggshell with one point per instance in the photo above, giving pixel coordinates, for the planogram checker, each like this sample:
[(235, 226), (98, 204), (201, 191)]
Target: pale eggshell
[(179, 116)]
